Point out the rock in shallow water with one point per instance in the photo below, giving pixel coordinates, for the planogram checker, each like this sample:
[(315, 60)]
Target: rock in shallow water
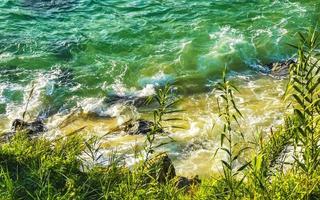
[(281, 68), (137, 127), (126, 99), (30, 128)]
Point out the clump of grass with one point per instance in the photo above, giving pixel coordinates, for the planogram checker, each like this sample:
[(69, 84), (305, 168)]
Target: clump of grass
[(39, 169), (36, 168)]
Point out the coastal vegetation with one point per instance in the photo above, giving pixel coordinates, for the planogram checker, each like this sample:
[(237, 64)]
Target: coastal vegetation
[(281, 164)]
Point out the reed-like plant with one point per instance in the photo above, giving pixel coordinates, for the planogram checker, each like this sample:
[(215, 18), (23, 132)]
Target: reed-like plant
[(28, 101), (230, 114), (304, 91), (7, 187), (166, 103)]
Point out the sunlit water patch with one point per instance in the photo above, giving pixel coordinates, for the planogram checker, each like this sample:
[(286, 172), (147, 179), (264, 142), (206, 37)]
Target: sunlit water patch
[(194, 146)]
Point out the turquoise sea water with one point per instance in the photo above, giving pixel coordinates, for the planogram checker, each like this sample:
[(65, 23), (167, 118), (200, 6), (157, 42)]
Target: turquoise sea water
[(94, 46), (75, 53)]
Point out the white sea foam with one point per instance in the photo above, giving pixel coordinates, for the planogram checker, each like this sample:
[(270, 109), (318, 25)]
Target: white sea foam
[(158, 79), (6, 56), (121, 90), (225, 42), (148, 90), (40, 82), (97, 105)]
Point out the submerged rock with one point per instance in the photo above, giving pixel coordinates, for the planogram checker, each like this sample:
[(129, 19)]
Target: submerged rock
[(281, 68), (137, 127), (30, 128), (196, 144), (127, 99), (161, 168), (137, 98)]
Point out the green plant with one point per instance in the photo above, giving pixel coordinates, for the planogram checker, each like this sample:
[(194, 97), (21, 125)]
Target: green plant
[(230, 113), (166, 103), (304, 91), (6, 184), (92, 151), (28, 101)]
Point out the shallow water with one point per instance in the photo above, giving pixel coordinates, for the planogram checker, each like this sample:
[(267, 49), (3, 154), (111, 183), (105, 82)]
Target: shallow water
[(76, 53), (260, 102)]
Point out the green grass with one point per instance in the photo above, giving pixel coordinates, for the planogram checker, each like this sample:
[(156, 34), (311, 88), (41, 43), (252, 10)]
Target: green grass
[(42, 169), (38, 169)]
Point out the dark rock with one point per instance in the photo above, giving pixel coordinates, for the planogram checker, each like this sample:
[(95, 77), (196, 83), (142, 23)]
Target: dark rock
[(161, 168), (30, 128), (114, 98), (137, 127), (126, 99), (281, 68), (195, 145), (184, 182)]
